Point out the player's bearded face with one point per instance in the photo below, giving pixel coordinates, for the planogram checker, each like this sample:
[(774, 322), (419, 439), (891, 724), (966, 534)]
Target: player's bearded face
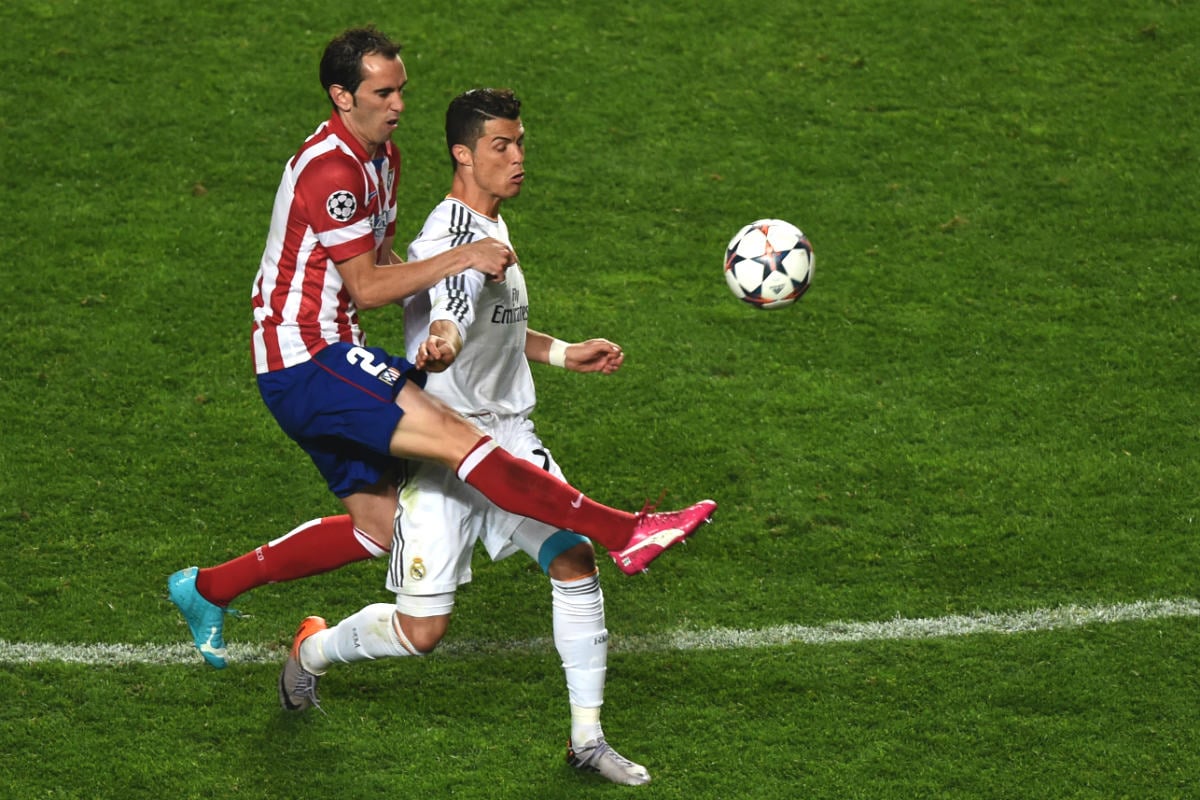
[(376, 106)]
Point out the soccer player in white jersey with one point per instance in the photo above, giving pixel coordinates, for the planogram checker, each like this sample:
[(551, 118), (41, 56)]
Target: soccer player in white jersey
[(356, 409), (472, 334)]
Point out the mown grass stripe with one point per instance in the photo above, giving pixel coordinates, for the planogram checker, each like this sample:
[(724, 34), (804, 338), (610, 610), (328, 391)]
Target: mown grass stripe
[(1046, 619)]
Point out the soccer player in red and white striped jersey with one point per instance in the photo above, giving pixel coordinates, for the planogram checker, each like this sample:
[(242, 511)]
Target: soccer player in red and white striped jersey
[(441, 519), (356, 409)]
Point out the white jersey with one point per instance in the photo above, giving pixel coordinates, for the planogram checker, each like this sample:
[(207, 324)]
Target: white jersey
[(491, 373), (441, 517)]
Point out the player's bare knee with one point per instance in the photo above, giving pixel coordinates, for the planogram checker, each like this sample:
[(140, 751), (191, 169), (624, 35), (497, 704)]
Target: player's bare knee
[(431, 430), (421, 620), (423, 633), (447, 443), (573, 564)]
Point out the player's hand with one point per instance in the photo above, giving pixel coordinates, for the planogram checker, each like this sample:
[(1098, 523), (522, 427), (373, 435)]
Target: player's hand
[(436, 354), (490, 256), (594, 355)]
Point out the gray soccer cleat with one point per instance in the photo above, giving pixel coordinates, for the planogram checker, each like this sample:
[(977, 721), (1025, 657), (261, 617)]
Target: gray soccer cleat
[(596, 756), (298, 686)]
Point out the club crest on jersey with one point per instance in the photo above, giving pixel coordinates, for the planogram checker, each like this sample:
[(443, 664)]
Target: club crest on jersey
[(379, 226), (389, 376), (417, 570), (341, 205)]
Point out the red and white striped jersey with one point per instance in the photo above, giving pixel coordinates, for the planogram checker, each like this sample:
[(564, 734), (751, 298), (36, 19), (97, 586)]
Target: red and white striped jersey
[(334, 202)]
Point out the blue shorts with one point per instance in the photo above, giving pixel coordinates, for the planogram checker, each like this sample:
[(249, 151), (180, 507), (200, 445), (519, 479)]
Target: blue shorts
[(340, 407)]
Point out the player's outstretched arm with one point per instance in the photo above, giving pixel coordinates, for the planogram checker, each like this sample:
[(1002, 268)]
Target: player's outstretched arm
[(372, 285), (592, 355)]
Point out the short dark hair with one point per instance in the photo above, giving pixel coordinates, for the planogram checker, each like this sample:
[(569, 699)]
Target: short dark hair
[(471, 110), (341, 65)]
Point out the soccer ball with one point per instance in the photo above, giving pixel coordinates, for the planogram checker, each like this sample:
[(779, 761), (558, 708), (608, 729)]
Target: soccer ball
[(768, 264)]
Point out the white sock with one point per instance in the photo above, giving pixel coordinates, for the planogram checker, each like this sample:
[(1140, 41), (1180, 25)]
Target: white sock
[(369, 634), (582, 642)]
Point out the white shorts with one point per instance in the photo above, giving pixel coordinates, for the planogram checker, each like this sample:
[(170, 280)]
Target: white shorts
[(439, 518)]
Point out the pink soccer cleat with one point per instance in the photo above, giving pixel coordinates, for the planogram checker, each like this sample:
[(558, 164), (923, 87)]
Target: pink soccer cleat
[(656, 531)]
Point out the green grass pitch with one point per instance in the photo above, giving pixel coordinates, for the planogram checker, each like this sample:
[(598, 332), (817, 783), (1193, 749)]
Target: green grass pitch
[(987, 402)]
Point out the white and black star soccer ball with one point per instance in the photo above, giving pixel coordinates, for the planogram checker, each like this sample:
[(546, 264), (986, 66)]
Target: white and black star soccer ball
[(769, 264)]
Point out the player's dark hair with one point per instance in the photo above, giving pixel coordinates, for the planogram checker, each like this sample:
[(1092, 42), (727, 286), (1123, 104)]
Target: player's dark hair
[(471, 110), (341, 65)]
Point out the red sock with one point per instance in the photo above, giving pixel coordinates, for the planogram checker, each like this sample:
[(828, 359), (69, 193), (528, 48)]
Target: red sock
[(317, 546), (519, 487)]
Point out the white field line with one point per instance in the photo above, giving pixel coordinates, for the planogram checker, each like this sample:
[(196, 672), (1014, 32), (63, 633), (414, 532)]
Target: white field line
[(1045, 619)]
